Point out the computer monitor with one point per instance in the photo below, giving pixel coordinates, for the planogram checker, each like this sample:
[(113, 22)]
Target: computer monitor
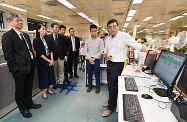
[(150, 59), (181, 103), (167, 69), (182, 83)]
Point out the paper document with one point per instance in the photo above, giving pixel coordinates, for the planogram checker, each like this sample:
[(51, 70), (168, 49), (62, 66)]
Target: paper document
[(144, 81)]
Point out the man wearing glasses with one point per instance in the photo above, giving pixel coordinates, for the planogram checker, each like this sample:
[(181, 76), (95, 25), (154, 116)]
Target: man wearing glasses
[(116, 46), (20, 59)]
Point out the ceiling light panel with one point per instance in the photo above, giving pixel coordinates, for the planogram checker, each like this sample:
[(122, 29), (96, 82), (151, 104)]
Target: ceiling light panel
[(131, 13), (67, 4), (13, 7), (129, 19), (137, 1), (147, 18), (82, 15)]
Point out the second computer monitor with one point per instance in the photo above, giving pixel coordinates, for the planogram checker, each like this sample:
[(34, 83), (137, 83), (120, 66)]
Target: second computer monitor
[(182, 83), (150, 59), (167, 69)]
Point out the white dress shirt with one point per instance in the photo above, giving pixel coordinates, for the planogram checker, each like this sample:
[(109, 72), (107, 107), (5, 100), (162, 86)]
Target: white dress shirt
[(117, 46)]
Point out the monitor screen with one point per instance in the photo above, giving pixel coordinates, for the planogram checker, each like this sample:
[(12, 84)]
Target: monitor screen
[(182, 83), (168, 67), (150, 58)]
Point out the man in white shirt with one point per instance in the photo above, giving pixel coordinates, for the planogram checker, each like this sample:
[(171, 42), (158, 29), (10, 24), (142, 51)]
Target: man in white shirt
[(116, 46)]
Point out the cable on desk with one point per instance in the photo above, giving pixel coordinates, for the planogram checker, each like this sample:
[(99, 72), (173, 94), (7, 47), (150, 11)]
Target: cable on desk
[(161, 102)]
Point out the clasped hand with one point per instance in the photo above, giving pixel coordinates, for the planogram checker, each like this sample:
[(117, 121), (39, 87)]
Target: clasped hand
[(51, 63), (91, 60)]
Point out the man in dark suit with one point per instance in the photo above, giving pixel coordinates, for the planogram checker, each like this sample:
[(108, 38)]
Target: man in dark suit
[(73, 52), (62, 31), (20, 59), (59, 50)]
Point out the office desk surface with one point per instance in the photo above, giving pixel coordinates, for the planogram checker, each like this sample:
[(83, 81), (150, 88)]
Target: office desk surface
[(129, 71), (150, 109)]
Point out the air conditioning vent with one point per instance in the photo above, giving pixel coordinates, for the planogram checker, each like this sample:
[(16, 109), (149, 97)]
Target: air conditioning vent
[(175, 12), (119, 14), (52, 3), (73, 16)]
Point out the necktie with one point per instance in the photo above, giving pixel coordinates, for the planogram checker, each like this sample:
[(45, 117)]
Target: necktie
[(73, 41), (22, 38), (26, 44), (56, 38)]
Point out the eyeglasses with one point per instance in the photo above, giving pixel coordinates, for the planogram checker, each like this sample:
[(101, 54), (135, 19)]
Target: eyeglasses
[(112, 27), (18, 20)]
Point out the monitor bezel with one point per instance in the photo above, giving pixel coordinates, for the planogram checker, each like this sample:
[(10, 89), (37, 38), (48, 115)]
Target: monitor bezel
[(154, 59), (170, 86), (183, 90)]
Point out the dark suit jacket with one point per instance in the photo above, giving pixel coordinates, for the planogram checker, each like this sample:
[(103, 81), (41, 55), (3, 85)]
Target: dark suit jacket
[(59, 50), (77, 44), (40, 50), (16, 52)]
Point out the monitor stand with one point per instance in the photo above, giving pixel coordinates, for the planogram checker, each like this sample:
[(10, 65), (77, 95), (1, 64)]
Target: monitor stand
[(163, 92)]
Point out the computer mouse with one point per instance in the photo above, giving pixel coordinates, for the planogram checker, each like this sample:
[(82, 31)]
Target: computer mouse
[(147, 96)]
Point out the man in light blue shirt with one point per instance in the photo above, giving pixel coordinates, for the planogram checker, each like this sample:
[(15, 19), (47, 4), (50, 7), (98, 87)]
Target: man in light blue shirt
[(93, 49)]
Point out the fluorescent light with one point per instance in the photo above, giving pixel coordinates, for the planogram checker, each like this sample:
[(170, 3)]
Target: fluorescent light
[(66, 3), (97, 25), (126, 24), (145, 29), (57, 20), (129, 19), (13, 7), (90, 20), (137, 1), (138, 25), (178, 17), (131, 13), (185, 26), (158, 24), (184, 14), (82, 15), (44, 16), (147, 18)]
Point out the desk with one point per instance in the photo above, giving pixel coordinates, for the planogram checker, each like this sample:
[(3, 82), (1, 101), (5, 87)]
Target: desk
[(129, 71), (150, 109)]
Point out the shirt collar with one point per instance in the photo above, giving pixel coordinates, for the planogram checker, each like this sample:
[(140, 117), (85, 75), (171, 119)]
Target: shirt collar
[(115, 35), (17, 32)]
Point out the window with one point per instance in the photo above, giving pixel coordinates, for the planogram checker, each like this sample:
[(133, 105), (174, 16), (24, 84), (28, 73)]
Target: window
[(32, 23)]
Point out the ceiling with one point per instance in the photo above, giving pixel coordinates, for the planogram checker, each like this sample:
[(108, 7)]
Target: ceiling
[(100, 11)]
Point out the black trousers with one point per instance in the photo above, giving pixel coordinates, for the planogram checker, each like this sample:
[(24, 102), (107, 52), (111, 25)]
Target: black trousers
[(66, 65), (24, 85), (73, 61), (114, 69)]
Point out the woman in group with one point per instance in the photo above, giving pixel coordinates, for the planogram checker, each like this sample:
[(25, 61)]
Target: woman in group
[(44, 58)]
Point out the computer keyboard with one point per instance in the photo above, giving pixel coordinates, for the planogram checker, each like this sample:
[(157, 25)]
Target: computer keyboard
[(130, 84), (131, 108)]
